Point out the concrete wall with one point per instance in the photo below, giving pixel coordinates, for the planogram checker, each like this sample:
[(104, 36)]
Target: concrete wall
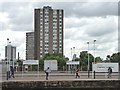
[(83, 84)]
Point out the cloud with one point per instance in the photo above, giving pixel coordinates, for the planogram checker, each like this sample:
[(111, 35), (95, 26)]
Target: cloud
[(96, 27), (101, 26), (17, 38), (85, 9), (3, 21), (88, 9), (21, 14), (75, 22), (83, 21)]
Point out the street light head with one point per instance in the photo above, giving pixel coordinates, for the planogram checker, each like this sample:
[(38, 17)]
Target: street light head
[(7, 38), (87, 42), (94, 40)]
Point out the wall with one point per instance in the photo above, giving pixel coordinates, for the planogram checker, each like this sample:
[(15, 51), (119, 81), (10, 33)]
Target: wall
[(82, 84)]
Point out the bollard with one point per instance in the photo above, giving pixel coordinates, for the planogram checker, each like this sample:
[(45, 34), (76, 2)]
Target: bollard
[(94, 74), (7, 75)]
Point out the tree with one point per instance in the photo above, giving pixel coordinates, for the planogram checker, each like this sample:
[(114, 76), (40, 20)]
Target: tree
[(115, 57), (98, 59), (41, 64), (108, 58), (84, 60)]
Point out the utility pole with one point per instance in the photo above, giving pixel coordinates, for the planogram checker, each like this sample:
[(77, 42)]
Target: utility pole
[(88, 62)]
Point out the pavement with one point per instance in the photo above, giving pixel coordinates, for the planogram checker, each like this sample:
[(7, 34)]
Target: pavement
[(58, 76)]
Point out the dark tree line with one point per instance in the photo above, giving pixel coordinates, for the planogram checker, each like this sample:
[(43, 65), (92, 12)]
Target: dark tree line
[(115, 57)]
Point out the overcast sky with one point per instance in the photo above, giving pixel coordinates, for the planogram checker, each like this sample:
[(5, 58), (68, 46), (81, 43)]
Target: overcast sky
[(83, 22)]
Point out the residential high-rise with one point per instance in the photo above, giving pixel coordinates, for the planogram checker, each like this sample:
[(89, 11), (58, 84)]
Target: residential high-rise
[(10, 54), (30, 46), (48, 31)]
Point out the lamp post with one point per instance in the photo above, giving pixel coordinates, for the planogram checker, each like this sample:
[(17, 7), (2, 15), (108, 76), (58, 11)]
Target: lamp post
[(8, 59), (71, 53), (88, 62), (74, 49), (74, 54), (94, 51)]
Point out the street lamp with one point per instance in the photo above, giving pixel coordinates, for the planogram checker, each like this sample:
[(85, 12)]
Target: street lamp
[(74, 54), (88, 62), (94, 51), (71, 53), (8, 60), (74, 49)]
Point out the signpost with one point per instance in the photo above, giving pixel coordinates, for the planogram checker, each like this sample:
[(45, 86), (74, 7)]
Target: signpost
[(103, 67), (52, 64)]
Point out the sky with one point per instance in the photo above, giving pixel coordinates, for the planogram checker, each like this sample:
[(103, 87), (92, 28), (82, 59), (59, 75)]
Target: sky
[(83, 22)]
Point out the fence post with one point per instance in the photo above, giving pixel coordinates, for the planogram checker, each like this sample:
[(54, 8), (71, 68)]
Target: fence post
[(88, 73), (94, 74)]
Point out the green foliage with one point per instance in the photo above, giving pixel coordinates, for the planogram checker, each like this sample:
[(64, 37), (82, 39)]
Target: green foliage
[(19, 62), (98, 59), (84, 60), (34, 67), (41, 64), (115, 57)]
